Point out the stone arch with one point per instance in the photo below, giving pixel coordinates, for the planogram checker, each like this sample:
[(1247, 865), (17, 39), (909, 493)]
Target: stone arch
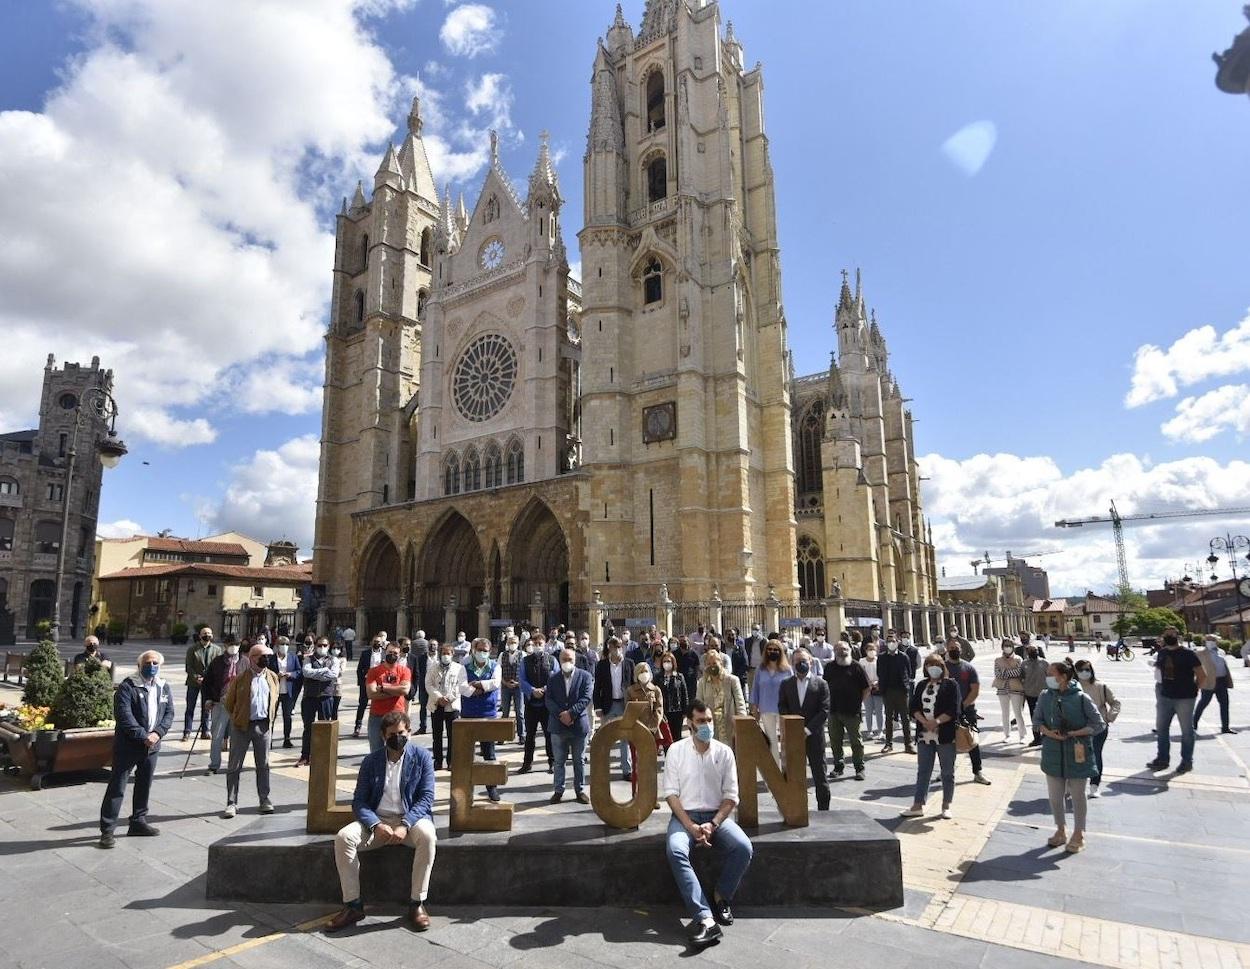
[(653, 98), (492, 465), (515, 461), (655, 176), (450, 563), (381, 576), (538, 555), (424, 252)]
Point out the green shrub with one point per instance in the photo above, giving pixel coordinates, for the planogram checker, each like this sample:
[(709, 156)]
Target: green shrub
[(85, 698), (44, 673)]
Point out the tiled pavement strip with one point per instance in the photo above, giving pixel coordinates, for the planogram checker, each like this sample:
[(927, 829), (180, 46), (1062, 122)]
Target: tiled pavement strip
[(981, 892)]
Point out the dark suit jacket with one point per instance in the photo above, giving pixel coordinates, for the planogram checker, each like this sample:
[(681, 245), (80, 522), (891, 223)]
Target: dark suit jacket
[(419, 664), (815, 707), (416, 786), (130, 713), (576, 701), (603, 682)]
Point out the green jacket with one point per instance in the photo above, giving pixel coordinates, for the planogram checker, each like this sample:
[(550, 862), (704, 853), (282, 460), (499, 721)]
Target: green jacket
[(198, 658), (1071, 709)]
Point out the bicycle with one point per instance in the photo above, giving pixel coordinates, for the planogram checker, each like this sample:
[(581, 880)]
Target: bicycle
[(1126, 653)]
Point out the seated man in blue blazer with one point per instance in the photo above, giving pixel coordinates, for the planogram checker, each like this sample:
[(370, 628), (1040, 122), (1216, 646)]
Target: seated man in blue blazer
[(393, 805), (569, 693)]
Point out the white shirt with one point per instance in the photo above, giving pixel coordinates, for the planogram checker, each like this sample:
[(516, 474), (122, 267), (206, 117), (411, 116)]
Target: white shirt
[(928, 701), (801, 683), (700, 781), (375, 657), (870, 669), (259, 697), (445, 682), (392, 805), (154, 703), (822, 650), (617, 670)]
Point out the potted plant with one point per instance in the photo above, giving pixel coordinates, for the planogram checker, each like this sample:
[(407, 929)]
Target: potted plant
[(179, 634), (75, 733), (116, 632)]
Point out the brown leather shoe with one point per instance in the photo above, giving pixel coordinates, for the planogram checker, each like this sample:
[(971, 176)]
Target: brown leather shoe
[(420, 918), (348, 916)]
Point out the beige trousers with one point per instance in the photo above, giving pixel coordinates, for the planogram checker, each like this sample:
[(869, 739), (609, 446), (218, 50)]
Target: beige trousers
[(770, 723), (355, 838)]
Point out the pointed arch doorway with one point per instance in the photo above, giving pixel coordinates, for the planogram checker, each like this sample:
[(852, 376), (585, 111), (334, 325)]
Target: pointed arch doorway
[(538, 562), (450, 563)]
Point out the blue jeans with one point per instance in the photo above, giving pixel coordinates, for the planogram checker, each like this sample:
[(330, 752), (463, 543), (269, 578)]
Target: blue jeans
[(508, 699), (1165, 709), (729, 842), (615, 712), (925, 755), (1100, 741), (375, 733), (562, 744)]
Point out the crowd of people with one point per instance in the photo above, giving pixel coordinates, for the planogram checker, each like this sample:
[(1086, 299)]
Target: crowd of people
[(866, 686)]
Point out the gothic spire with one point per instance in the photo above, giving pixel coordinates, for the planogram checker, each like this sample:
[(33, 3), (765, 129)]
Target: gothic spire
[(413, 161), (445, 227), (462, 214), (658, 18), (389, 172), (606, 132), (620, 18), (358, 199)]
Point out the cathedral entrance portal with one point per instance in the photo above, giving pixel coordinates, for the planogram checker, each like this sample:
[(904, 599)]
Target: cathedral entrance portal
[(450, 564), (538, 562), (380, 586)]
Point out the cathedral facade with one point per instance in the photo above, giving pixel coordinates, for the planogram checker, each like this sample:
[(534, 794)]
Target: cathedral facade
[(501, 442)]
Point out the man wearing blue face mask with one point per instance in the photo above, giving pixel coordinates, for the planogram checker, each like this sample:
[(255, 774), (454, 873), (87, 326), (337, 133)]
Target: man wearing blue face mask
[(701, 787), (143, 709)]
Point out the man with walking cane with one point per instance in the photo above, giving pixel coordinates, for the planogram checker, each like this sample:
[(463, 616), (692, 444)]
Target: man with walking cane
[(251, 703)]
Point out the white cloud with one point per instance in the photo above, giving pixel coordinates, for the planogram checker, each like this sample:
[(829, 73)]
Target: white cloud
[(160, 427), (1006, 502), (471, 29), (122, 528), (162, 209), (281, 385), (1200, 354), (1202, 418), (969, 148), (272, 495)]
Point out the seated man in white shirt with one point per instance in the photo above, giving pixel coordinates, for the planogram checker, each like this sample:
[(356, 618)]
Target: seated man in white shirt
[(701, 786)]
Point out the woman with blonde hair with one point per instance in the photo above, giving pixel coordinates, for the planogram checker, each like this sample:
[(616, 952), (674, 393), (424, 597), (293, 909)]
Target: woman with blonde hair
[(722, 692)]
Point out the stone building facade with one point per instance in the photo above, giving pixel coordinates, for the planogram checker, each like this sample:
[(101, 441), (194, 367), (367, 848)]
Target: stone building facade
[(501, 442), (857, 484), (32, 493)]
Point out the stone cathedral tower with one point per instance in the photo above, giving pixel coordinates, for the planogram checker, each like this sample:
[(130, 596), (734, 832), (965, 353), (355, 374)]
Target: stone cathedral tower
[(382, 262), (685, 391)]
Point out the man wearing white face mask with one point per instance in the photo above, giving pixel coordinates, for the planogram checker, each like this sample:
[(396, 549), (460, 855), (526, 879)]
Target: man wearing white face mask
[(320, 676), (443, 682), (1218, 682), (568, 697)]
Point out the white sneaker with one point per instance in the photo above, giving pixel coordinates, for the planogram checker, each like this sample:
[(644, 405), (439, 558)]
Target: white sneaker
[(229, 812), (946, 814), (1093, 790), (913, 812)]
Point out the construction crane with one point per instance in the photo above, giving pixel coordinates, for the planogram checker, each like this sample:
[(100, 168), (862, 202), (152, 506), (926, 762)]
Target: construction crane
[(1117, 527), (987, 560)]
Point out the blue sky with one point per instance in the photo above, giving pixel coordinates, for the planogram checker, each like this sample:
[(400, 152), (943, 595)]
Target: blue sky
[(1014, 293)]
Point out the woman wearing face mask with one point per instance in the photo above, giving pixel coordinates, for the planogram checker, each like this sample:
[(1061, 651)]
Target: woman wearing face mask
[(1068, 720), (1009, 682), (643, 690), (722, 692), (1107, 705), (935, 708), (874, 706), (676, 699), (765, 690)]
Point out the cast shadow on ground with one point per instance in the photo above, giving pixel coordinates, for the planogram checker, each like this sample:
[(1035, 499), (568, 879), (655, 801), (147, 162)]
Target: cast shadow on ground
[(1029, 865)]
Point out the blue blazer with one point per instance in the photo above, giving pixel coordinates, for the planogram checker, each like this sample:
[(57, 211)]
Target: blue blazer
[(416, 786), (130, 712), (576, 701)]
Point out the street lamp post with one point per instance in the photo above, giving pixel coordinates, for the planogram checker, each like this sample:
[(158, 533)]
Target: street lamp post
[(110, 451), (1230, 544)]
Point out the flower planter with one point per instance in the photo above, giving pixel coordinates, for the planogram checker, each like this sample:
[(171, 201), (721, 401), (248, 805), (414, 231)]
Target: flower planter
[(40, 753)]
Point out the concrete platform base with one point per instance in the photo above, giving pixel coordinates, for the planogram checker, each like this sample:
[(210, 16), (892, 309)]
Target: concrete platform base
[(565, 858)]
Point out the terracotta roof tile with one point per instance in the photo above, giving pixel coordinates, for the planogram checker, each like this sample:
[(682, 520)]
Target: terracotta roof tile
[(202, 548)]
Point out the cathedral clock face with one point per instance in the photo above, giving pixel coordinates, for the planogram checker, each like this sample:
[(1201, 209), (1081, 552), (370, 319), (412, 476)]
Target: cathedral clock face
[(483, 379), (492, 254), (659, 423)]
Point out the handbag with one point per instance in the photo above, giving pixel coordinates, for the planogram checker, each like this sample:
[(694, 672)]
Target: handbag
[(965, 738)]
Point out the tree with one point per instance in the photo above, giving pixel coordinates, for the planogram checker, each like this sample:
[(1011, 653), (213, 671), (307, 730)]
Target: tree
[(85, 698), (1152, 622), (44, 673)]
